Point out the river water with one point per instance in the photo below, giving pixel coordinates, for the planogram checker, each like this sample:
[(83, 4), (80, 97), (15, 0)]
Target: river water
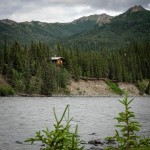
[(21, 117)]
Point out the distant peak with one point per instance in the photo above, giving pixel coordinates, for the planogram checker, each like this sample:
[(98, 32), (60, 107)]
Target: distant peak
[(136, 8), (87, 18), (8, 21), (103, 19)]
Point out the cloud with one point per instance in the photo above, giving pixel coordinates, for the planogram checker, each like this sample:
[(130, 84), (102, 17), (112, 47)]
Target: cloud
[(63, 10)]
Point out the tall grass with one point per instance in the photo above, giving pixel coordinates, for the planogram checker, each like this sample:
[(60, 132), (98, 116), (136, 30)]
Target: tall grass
[(114, 87)]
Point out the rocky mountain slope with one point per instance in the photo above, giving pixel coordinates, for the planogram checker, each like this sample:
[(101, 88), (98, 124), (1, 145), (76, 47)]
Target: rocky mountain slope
[(103, 19), (131, 26), (88, 32)]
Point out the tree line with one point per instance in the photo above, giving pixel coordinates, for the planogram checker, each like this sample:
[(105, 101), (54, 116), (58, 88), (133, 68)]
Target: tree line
[(127, 64), (29, 68)]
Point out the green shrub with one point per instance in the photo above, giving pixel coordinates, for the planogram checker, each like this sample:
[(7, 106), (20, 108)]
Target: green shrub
[(6, 90), (61, 138), (127, 137), (114, 87), (141, 86)]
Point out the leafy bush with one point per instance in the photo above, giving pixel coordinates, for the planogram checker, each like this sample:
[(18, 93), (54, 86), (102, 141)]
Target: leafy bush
[(148, 88), (61, 138), (141, 86), (6, 90), (114, 87)]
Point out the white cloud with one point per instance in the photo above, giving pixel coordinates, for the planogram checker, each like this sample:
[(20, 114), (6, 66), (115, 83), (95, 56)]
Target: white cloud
[(62, 10), (50, 14)]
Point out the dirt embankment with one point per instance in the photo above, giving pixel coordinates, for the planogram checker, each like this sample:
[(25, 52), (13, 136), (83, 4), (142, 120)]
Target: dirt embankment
[(99, 88), (90, 88)]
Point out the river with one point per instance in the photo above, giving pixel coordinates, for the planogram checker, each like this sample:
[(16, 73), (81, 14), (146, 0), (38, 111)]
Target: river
[(21, 117)]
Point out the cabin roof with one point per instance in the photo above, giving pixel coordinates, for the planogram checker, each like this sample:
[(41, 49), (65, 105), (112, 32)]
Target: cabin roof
[(56, 58)]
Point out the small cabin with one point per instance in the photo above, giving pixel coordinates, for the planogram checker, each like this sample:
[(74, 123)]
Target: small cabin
[(57, 60)]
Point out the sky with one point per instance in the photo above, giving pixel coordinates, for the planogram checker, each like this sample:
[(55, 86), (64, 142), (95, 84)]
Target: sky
[(63, 10)]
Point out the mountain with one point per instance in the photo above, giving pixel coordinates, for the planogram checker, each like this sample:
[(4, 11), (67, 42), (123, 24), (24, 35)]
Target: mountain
[(135, 9), (131, 26), (24, 32), (98, 19), (87, 18), (8, 22), (88, 32), (103, 19)]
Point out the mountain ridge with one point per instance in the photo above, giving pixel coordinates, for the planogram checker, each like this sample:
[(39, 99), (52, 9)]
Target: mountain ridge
[(120, 31), (135, 8), (100, 27), (93, 17)]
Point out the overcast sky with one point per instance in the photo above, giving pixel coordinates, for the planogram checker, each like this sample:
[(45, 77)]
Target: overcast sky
[(63, 10)]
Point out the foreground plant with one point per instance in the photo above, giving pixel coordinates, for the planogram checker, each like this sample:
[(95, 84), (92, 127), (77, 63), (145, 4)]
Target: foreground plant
[(126, 137), (61, 138)]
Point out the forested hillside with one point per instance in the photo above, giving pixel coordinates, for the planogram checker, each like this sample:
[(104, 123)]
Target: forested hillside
[(87, 33), (120, 31), (29, 69), (50, 33)]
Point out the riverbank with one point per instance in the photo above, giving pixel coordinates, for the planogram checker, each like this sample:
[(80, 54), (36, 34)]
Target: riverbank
[(100, 88), (86, 88)]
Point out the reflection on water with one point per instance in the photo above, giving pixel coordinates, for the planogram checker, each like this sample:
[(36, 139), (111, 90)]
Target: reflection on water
[(20, 117)]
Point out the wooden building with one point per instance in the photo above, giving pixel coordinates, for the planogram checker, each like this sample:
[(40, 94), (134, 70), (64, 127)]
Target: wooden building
[(57, 60)]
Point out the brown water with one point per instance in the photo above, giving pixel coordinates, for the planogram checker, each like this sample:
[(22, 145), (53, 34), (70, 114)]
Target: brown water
[(21, 117)]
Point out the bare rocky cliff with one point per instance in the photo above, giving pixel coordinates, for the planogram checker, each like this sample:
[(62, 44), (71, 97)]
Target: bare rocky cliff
[(103, 19)]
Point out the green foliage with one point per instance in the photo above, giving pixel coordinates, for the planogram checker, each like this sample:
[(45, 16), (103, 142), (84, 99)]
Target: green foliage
[(128, 126), (126, 137), (6, 90), (18, 80), (121, 31), (148, 88), (61, 138), (29, 68), (85, 34), (114, 87), (141, 86), (34, 85), (124, 64), (49, 32), (49, 78), (63, 78)]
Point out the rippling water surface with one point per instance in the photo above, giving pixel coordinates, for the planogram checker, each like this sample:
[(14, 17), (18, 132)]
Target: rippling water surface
[(21, 117)]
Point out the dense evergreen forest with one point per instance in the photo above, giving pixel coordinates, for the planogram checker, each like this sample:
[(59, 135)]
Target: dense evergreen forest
[(29, 69)]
